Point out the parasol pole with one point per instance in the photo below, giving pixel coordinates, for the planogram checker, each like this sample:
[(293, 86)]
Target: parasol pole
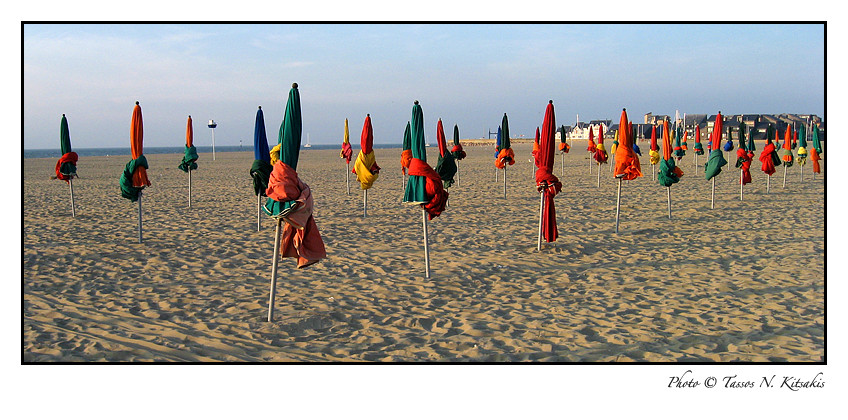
[(139, 217), (364, 203), (496, 174), (347, 178), (768, 184), (696, 164), (426, 246), (541, 208), (73, 207), (784, 176), (669, 201), (741, 178), (457, 172), (561, 164), (189, 187), (712, 196), (274, 270), (618, 204), (599, 174), (258, 211), (505, 165), (590, 163), (653, 170), (802, 173)]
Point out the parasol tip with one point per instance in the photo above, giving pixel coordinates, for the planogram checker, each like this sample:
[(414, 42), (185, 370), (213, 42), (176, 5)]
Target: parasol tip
[(550, 101), (415, 102), (260, 106), (63, 115), (294, 85), (136, 102), (367, 115)]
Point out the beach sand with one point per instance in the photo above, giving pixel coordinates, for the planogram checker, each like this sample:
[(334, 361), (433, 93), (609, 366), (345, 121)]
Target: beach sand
[(741, 283)]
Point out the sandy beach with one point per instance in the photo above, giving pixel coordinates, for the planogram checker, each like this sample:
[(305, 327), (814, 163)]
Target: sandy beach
[(741, 283)]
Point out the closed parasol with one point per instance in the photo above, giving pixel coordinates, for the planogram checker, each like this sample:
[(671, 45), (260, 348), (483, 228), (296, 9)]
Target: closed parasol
[(546, 182), (446, 165), (66, 166), (425, 186), (669, 173), (261, 168), (626, 162), (346, 153), (456, 150), (365, 167), (716, 159), (189, 161), (134, 178), (290, 200)]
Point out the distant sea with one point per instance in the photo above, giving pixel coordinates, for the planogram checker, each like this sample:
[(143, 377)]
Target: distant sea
[(120, 151)]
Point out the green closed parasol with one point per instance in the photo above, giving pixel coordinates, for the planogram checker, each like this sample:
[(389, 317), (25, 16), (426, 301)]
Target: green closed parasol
[(716, 159), (188, 163), (66, 166)]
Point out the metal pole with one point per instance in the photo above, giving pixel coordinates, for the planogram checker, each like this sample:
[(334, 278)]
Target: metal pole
[(189, 188), (426, 246), (712, 197), (347, 178), (696, 164), (802, 174), (364, 203), (139, 217), (541, 208), (258, 211), (590, 163), (618, 205), (496, 174), (768, 184), (73, 207), (599, 174), (505, 165), (213, 144), (653, 170), (669, 202), (274, 270), (457, 172), (741, 178), (784, 176)]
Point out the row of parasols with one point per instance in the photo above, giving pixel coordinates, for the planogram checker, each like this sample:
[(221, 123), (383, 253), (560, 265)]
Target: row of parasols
[(289, 200)]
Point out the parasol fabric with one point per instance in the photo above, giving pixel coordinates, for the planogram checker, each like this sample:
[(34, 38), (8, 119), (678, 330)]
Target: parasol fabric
[(787, 157), (716, 159), (406, 153), (347, 152), (743, 162), (679, 152), (289, 198), (189, 161), (600, 152), (446, 166), (563, 145), (816, 150), (654, 153), (802, 146), (134, 178), (365, 167), (699, 148), (456, 150), (626, 162), (614, 145), (591, 148), (546, 181), (66, 166), (767, 155), (287, 149), (535, 151), (424, 186), (669, 173), (498, 142), (300, 238), (505, 154), (633, 136), (261, 168), (729, 145)]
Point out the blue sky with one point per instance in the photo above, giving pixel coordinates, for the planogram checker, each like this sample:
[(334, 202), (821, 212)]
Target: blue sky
[(465, 74)]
